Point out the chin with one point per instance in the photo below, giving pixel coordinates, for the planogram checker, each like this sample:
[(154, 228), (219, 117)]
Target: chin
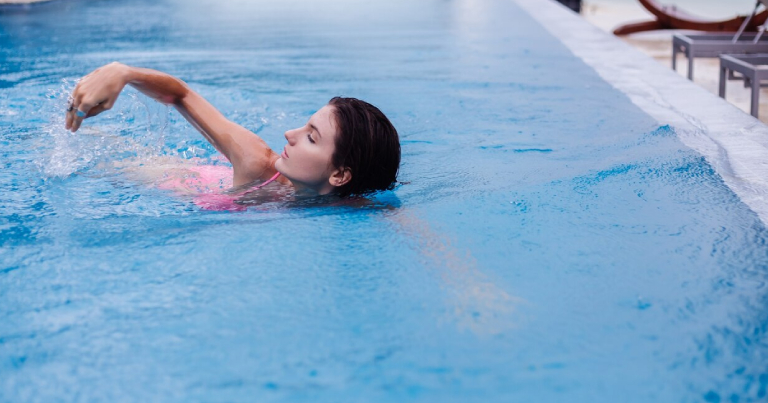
[(279, 166)]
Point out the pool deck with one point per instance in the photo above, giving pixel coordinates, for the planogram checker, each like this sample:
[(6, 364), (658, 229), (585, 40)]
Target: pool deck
[(658, 45), (732, 141)]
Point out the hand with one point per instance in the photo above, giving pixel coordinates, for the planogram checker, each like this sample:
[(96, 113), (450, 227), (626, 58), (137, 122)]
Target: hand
[(96, 93)]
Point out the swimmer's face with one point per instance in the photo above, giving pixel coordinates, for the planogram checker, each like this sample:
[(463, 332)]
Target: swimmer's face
[(306, 159)]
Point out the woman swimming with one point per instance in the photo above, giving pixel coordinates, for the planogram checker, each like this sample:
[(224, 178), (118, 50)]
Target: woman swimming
[(348, 147)]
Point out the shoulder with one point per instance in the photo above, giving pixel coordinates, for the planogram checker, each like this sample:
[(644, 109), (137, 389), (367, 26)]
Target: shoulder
[(252, 160)]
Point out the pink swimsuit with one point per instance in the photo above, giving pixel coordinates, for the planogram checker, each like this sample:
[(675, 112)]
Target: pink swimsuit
[(205, 176)]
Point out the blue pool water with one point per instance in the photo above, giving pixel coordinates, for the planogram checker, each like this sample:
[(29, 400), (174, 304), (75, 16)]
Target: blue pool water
[(551, 241)]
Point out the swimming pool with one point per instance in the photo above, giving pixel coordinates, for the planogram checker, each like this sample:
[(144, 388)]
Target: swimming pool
[(551, 242)]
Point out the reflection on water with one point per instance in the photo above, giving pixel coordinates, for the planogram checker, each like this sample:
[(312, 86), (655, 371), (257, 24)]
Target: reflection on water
[(478, 304)]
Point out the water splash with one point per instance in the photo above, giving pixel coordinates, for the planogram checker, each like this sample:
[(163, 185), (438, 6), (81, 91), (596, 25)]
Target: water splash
[(135, 128)]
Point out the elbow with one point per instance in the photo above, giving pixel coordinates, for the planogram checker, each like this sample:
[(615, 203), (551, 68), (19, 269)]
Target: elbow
[(180, 95), (169, 100)]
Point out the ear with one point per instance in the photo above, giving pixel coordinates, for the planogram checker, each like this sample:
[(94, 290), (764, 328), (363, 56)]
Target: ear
[(340, 177)]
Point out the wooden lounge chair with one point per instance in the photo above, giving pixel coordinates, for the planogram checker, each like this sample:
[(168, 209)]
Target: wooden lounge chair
[(670, 17)]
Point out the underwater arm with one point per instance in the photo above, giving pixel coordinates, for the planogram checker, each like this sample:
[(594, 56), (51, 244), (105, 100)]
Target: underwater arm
[(477, 302), (250, 156)]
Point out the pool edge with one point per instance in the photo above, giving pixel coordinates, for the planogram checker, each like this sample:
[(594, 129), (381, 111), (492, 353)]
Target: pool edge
[(733, 142)]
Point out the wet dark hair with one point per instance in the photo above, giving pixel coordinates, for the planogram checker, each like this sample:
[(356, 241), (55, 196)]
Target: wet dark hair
[(367, 144)]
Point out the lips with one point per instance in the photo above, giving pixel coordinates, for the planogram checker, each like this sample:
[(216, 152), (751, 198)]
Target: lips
[(284, 154)]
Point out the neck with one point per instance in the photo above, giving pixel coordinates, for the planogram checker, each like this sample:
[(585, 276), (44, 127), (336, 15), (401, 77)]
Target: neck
[(303, 189)]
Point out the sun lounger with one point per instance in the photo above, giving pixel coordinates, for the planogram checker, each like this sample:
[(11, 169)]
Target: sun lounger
[(753, 70), (715, 44)]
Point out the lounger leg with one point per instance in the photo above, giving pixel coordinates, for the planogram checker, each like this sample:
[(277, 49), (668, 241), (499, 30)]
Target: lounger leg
[(760, 32), (674, 58), (746, 23), (690, 67), (723, 79), (755, 97)]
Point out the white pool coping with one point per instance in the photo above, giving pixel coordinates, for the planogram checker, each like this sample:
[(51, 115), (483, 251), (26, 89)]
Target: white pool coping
[(733, 142)]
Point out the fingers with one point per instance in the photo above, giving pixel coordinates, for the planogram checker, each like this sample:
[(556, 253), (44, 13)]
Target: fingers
[(96, 110), (90, 97), (80, 111), (80, 115), (69, 117), (76, 103), (72, 104), (75, 119)]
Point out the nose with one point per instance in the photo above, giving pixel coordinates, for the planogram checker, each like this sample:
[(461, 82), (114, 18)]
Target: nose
[(290, 135)]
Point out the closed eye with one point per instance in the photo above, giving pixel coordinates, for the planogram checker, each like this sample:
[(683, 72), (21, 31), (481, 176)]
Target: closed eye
[(309, 137)]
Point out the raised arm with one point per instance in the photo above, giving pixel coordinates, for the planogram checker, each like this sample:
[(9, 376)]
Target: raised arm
[(97, 92)]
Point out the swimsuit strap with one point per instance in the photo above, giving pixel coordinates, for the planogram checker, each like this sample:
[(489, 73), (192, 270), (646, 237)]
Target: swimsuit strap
[(267, 182)]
